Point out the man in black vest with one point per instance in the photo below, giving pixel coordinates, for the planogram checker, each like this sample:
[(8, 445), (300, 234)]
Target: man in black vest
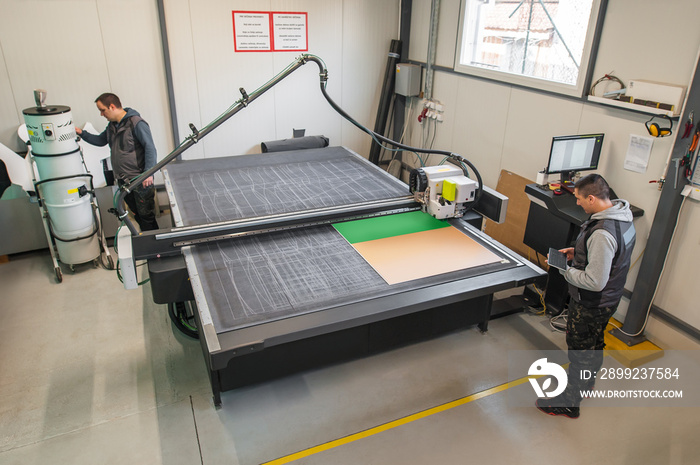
[(600, 261), (132, 153)]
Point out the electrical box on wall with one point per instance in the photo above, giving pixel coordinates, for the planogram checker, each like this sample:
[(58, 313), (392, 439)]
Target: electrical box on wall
[(407, 79)]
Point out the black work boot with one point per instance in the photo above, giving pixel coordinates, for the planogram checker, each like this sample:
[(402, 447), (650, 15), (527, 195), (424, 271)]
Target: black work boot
[(570, 412)]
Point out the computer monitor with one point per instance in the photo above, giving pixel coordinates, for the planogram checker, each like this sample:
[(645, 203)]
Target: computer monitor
[(570, 154)]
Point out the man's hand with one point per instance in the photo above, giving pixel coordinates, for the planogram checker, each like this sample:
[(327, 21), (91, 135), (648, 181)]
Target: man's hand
[(569, 251), (148, 182), (78, 131)]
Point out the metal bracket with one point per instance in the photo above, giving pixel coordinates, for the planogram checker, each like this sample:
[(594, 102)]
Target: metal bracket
[(245, 98), (195, 133)]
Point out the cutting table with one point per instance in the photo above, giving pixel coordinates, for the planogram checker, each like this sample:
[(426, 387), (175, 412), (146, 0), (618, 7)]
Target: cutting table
[(277, 288)]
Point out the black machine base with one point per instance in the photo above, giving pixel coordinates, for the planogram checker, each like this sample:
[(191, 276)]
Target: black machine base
[(352, 343)]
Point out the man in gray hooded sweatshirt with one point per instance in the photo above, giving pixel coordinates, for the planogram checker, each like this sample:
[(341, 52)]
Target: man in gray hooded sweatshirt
[(132, 153), (600, 261)]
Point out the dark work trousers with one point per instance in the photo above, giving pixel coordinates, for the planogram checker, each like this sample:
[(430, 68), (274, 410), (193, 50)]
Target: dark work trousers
[(141, 202), (585, 338)]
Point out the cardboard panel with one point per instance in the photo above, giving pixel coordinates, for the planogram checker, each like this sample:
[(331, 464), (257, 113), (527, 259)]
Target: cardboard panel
[(427, 253), (511, 232)]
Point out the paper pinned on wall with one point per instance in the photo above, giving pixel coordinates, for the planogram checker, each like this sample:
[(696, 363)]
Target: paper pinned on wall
[(638, 153), (270, 31)]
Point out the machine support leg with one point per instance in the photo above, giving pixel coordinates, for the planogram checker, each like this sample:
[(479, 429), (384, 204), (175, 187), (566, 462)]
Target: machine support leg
[(484, 325), (216, 389)]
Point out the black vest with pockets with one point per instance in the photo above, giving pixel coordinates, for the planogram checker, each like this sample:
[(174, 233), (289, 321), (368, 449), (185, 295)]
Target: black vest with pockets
[(127, 154), (624, 235)]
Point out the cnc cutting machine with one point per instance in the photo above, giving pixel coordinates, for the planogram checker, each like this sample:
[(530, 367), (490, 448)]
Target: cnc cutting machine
[(257, 259)]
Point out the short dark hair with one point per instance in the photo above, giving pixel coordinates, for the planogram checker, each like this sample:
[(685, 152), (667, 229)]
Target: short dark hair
[(594, 185), (108, 99)]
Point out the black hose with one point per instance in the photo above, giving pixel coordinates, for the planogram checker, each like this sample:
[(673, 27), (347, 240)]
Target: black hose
[(178, 315), (392, 142)]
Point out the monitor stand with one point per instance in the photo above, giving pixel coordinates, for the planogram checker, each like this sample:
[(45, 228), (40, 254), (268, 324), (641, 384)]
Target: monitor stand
[(567, 182)]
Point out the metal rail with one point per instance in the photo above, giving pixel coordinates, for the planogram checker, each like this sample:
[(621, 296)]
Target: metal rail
[(231, 226)]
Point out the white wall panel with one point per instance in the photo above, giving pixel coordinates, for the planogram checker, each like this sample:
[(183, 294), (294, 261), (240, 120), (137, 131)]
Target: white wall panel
[(368, 28), (447, 33), (447, 88), (677, 287), (78, 49), (352, 37), (63, 53), (299, 103), (221, 72), (420, 30), (645, 39), (479, 135), (132, 47), (10, 117), (533, 119), (182, 62)]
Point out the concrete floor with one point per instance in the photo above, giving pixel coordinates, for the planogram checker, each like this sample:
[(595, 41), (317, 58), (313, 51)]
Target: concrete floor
[(92, 373)]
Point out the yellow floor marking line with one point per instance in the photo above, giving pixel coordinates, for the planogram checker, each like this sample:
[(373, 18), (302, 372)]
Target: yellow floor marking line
[(396, 423)]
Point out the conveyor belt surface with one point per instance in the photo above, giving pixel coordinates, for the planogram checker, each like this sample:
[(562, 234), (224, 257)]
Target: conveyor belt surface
[(221, 189), (262, 278)]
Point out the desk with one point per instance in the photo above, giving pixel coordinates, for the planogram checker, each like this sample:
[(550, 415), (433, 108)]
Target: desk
[(555, 221)]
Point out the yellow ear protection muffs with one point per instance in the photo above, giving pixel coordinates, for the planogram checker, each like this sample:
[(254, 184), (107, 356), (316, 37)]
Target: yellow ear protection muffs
[(657, 131)]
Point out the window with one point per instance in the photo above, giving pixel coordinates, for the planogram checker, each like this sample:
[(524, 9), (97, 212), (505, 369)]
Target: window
[(544, 44)]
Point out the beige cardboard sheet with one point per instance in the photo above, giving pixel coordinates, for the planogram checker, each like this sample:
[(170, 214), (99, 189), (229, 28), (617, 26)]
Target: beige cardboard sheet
[(419, 255)]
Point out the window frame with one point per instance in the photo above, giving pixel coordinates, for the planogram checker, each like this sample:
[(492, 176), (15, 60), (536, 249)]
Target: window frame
[(579, 90)]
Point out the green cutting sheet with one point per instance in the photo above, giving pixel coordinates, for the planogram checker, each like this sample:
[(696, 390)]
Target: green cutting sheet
[(381, 227)]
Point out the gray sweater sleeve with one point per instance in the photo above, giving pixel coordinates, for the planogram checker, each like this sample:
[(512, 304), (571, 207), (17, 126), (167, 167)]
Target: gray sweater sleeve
[(143, 133), (601, 251), (93, 139)]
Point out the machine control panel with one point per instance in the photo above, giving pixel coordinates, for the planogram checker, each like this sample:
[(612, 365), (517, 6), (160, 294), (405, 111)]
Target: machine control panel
[(47, 129)]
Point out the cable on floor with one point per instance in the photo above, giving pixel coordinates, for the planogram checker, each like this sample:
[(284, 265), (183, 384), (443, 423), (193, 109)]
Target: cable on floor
[(559, 326)]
